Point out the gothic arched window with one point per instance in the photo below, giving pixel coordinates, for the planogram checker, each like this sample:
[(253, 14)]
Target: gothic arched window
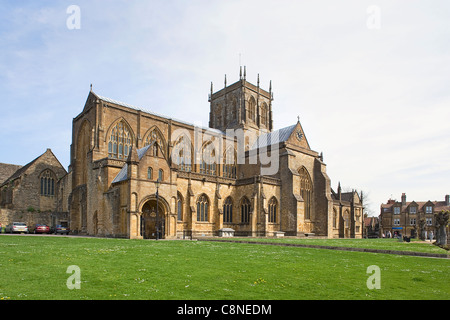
[(335, 218), (47, 183), (155, 137), (306, 191), (252, 109), (202, 208), (182, 154), (245, 210), (209, 161), (228, 210), (179, 207), (264, 114), (229, 164), (273, 210), (120, 141)]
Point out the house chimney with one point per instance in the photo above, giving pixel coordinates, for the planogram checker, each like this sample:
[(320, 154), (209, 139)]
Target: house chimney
[(403, 199), (447, 200)]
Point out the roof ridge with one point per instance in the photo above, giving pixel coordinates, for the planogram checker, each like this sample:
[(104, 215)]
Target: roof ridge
[(127, 105)]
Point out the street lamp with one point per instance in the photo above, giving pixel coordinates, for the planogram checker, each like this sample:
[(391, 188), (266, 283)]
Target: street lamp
[(157, 184)]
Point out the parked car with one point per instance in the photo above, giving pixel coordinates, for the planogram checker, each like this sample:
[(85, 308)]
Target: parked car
[(40, 228), (17, 227), (61, 229)]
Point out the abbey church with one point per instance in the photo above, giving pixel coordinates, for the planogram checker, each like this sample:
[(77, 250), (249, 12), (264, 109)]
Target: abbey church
[(140, 175)]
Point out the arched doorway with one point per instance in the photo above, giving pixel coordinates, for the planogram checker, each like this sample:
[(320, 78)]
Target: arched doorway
[(150, 220)]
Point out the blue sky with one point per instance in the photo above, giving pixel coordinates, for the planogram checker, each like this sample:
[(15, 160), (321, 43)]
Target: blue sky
[(374, 100)]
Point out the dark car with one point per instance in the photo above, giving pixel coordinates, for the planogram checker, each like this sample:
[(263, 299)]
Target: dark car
[(61, 229), (40, 228)]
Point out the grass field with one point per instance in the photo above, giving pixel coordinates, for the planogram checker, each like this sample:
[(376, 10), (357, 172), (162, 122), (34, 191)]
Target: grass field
[(34, 267)]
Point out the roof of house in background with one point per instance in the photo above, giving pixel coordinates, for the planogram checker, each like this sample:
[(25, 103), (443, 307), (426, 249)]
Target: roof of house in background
[(7, 170)]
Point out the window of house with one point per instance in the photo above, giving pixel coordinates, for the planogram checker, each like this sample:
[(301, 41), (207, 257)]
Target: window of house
[(306, 191), (245, 211), (396, 222), (47, 183), (228, 210), (412, 210), (179, 207), (429, 221), (120, 141), (150, 173), (208, 164), (157, 141), (264, 114), (229, 164), (428, 209), (396, 210), (273, 210), (202, 208), (412, 221), (252, 109), (182, 154)]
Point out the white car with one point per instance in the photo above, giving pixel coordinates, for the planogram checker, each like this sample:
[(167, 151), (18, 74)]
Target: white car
[(17, 227)]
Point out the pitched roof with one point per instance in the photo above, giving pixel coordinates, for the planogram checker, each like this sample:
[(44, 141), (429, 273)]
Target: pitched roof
[(123, 104), (23, 169), (122, 175), (7, 170), (438, 205), (273, 137), (20, 171)]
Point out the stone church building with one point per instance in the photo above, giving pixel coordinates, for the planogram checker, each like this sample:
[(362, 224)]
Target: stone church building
[(137, 174)]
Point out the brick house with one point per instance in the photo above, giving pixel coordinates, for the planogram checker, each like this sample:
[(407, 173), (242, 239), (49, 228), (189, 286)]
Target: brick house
[(403, 216)]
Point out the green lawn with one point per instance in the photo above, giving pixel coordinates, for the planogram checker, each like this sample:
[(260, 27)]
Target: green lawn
[(380, 244), (35, 268)]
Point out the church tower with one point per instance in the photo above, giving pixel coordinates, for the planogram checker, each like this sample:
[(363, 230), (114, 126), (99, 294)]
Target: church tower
[(241, 105)]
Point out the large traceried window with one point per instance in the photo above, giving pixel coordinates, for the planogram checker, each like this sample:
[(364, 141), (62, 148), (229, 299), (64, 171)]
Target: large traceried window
[(47, 183), (182, 154), (306, 191), (209, 161), (245, 210), (120, 141), (228, 210), (202, 208), (229, 164), (155, 139), (273, 210)]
